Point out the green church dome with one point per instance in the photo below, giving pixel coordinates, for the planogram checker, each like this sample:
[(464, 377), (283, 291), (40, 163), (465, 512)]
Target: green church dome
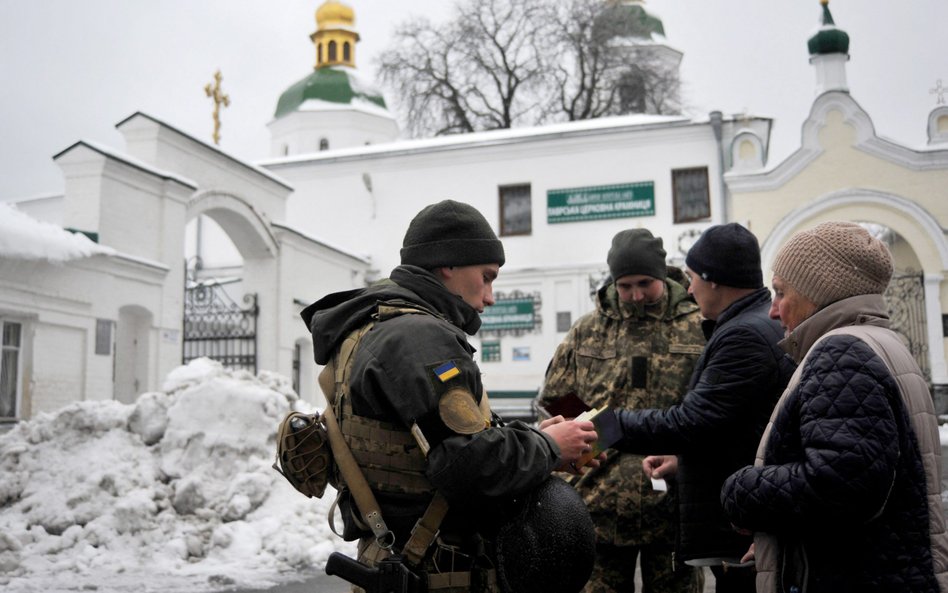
[(333, 84), (829, 39), (629, 20)]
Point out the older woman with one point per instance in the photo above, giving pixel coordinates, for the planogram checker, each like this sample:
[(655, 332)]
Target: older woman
[(844, 495)]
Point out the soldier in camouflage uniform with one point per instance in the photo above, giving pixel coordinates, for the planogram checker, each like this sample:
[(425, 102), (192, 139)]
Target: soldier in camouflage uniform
[(636, 350)]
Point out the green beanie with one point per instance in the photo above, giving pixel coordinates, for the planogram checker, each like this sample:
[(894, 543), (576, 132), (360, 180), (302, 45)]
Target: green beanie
[(450, 233), (636, 251)]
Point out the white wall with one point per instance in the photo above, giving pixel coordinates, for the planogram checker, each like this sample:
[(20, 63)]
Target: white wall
[(308, 271), (332, 201), (59, 365), (300, 132)]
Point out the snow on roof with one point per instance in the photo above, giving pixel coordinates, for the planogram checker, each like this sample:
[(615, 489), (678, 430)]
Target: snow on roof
[(357, 104), (129, 160), (359, 82), (248, 165), (25, 238), (39, 197), (489, 137), (172, 493), (363, 256)]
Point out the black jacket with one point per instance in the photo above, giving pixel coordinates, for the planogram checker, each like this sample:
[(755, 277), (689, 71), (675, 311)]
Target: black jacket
[(843, 479), (394, 379), (716, 427)]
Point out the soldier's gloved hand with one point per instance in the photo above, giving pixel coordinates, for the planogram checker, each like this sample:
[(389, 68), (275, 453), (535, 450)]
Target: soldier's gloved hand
[(573, 438)]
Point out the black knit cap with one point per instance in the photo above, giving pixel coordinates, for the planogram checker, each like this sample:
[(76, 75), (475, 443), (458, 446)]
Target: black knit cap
[(636, 251), (727, 254), (450, 233)]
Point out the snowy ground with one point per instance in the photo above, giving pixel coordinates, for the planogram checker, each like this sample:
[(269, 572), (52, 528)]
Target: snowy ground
[(174, 493)]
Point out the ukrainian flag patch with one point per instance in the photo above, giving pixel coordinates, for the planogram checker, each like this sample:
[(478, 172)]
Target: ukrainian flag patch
[(447, 371)]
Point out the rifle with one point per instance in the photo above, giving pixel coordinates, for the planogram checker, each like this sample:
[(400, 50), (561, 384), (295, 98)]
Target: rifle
[(389, 576)]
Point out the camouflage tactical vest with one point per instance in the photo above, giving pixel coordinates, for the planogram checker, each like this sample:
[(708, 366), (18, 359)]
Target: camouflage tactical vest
[(387, 453), (392, 461)]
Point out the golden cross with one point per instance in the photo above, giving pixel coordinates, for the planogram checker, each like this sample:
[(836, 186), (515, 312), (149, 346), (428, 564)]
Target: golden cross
[(219, 97)]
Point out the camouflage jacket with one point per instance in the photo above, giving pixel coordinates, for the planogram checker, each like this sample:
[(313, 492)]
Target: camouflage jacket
[(628, 357)]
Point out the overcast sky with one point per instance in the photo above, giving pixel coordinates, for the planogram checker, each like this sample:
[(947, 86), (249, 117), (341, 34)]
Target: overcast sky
[(73, 69)]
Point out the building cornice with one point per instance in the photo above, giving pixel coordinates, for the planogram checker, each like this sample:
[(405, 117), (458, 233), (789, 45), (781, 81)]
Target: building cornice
[(866, 141)]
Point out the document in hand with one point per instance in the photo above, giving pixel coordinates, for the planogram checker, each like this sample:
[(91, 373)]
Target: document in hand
[(608, 431), (568, 406)]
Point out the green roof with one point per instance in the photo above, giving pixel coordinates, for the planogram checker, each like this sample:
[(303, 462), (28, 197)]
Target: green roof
[(327, 84), (629, 21), (829, 39)]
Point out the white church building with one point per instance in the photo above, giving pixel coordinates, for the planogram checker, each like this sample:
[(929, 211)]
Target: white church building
[(556, 194), (328, 210)]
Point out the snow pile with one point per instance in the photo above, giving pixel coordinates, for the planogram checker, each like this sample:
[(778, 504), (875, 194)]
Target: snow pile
[(173, 493), (22, 237)]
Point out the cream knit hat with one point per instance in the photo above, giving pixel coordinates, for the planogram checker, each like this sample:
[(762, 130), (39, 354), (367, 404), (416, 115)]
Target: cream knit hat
[(834, 261)]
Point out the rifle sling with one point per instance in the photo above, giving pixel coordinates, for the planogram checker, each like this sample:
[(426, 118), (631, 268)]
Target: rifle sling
[(350, 471), (425, 530)]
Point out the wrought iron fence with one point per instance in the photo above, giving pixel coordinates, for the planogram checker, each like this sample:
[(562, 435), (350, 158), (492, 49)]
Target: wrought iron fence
[(218, 328), (905, 298)]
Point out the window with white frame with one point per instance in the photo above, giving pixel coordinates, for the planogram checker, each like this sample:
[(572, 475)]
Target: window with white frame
[(10, 345)]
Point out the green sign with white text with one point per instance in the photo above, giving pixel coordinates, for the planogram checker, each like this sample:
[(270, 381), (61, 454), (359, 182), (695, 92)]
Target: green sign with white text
[(512, 314), (600, 202)]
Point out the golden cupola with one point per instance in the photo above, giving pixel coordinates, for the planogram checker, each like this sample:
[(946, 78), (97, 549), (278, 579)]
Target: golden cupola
[(334, 81), (333, 106), (335, 37)]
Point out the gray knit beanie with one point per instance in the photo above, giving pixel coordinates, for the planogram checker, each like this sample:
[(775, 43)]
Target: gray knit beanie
[(834, 261), (450, 233), (636, 251)]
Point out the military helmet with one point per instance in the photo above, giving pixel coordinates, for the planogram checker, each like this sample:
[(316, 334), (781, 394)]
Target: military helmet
[(550, 544)]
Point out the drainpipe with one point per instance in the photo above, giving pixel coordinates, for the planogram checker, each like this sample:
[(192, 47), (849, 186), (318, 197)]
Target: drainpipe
[(716, 125)]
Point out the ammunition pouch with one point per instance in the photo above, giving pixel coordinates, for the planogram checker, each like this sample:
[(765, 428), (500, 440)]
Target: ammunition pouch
[(303, 455), (388, 455)]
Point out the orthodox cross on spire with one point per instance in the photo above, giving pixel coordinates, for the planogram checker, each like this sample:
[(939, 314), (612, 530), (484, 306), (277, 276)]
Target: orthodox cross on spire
[(219, 97), (940, 91)]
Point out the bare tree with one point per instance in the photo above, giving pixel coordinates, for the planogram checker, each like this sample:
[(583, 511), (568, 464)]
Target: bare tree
[(608, 63), (585, 70), (472, 73), (648, 84), (503, 63)]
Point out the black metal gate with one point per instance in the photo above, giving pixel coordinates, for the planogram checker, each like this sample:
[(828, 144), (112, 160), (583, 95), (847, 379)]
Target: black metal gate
[(905, 298), (218, 328)]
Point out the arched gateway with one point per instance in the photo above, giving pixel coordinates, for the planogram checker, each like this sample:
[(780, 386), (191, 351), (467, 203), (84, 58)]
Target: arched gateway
[(110, 322), (920, 254)]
